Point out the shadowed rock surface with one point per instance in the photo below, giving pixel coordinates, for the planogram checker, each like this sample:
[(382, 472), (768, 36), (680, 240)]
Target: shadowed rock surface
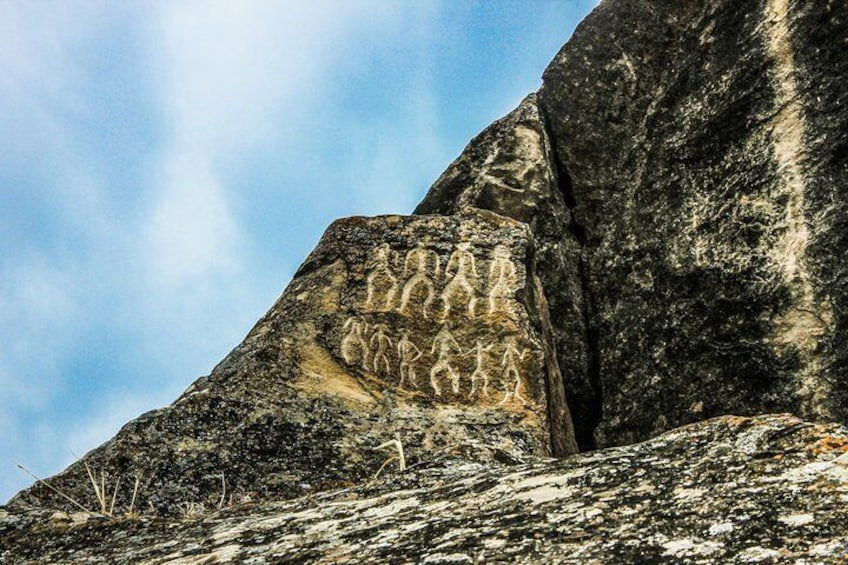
[(655, 238), (702, 146), (770, 489)]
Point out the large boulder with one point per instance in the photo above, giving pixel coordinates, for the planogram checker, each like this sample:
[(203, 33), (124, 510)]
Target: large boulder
[(425, 335), (701, 146)]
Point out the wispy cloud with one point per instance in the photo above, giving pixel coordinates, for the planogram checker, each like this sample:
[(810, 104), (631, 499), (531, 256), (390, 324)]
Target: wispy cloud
[(232, 78)]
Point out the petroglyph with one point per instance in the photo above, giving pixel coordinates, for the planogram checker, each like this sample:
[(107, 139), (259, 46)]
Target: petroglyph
[(408, 354), (462, 267), (387, 331), (354, 347), (479, 351), (447, 347), (383, 345), (381, 281), (509, 362), (421, 260), (503, 282)]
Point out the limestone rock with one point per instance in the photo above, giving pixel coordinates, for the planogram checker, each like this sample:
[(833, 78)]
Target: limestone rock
[(655, 238), (428, 330), (770, 489)]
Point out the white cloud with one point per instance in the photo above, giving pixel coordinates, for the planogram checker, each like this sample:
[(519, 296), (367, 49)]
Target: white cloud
[(192, 232), (230, 80), (36, 306), (232, 76)]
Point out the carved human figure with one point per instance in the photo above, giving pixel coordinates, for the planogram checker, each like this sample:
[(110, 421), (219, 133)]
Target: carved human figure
[(479, 351), (382, 344), (381, 280), (503, 281), (509, 363), (461, 265), (424, 265), (408, 354), (354, 346), (447, 347)]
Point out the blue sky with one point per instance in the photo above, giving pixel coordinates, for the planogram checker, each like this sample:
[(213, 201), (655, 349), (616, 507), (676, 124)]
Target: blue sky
[(166, 166)]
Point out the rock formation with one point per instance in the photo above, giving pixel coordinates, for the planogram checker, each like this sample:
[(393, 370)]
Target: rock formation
[(702, 148), (655, 238), (430, 330), (670, 499)]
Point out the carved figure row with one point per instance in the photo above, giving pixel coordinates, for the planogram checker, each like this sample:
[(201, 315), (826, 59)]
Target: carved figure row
[(374, 353), (421, 270)]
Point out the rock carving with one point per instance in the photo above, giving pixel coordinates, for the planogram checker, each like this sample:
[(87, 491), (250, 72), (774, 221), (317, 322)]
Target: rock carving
[(503, 281), (381, 280), (383, 344), (448, 347), (408, 354), (461, 266), (419, 258), (509, 362), (479, 351), (354, 346)]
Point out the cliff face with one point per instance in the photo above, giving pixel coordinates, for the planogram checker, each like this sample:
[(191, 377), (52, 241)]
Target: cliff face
[(702, 148), (655, 238), (429, 331)]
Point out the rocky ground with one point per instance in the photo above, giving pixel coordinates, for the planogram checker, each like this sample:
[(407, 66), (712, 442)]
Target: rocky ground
[(767, 489)]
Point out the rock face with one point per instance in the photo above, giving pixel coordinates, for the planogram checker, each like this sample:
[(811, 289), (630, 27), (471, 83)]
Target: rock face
[(657, 237), (731, 490), (702, 146), (429, 330), (509, 169)]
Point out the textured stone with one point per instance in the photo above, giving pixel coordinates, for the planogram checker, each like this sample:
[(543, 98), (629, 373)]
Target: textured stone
[(509, 169), (701, 145), (428, 330), (769, 489)]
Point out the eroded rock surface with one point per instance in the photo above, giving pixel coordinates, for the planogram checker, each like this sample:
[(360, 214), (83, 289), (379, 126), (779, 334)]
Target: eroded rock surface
[(770, 489), (702, 144), (509, 169), (429, 330)]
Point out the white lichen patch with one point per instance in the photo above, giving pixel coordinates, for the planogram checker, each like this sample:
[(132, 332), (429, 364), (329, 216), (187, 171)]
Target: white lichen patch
[(835, 547), (688, 493), (721, 528), (758, 554), (448, 558), (811, 472), (750, 441), (391, 509), (678, 547), (546, 493), (796, 520)]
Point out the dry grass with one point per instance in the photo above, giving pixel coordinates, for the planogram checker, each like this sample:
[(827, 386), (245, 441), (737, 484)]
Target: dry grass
[(400, 458)]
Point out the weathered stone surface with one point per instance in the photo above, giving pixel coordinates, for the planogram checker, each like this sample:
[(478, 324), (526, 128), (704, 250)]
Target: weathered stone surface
[(770, 489), (509, 169), (428, 330), (702, 148)]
